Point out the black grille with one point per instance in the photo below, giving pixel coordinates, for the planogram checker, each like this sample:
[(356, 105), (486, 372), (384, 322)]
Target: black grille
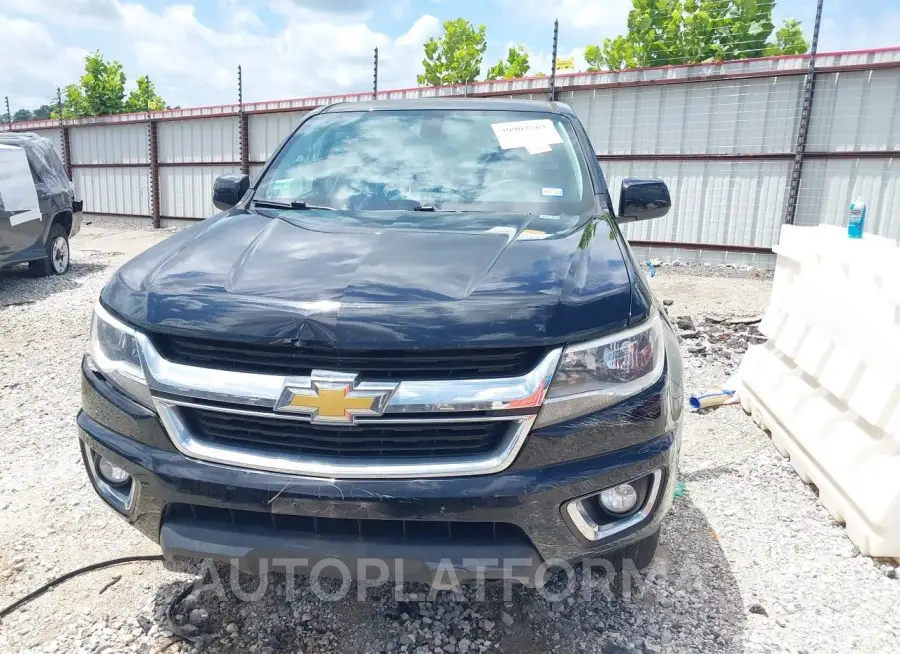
[(408, 530), (274, 434), (370, 364)]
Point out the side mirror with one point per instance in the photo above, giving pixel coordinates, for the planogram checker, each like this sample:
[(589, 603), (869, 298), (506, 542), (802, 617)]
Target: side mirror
[(229, 189), (643, 199)]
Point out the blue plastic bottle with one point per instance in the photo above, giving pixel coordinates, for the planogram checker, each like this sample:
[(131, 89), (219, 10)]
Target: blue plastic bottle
[(857, 223)]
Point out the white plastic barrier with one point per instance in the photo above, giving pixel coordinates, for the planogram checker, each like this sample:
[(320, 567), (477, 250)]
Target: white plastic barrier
[(826, 384)]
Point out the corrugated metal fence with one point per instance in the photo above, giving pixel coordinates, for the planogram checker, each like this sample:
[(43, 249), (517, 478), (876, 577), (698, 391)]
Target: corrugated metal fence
[(721, 135)]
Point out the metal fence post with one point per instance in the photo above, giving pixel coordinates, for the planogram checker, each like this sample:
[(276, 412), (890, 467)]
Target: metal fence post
[(809, 88), (66, 149), (153, 151), (375, 78), (243, 127), (64, 137), (552, 90)]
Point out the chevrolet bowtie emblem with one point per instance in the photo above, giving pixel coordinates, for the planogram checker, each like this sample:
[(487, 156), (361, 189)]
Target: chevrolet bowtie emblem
[(334, 397)]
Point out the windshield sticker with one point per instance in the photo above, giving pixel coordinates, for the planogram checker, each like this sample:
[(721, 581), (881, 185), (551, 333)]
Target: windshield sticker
[(548, 217), (536, 136), (279, 186), (537, 148), (532, 235), (551, 192)]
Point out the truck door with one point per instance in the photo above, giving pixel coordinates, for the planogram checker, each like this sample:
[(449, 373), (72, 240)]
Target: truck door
[(21, 224)]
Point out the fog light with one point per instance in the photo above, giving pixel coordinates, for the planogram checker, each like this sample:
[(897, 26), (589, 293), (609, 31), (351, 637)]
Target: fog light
[(111, 473), (619, 499)]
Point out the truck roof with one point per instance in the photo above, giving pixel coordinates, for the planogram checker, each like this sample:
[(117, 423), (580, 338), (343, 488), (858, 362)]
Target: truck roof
[(471, 104), (18, 138)]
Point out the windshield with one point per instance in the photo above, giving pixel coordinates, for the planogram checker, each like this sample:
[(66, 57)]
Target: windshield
[(450, 160)]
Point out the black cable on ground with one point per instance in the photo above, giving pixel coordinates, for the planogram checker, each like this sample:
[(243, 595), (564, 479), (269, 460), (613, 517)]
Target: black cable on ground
[(173, 626), (69, 575), (177, 631)]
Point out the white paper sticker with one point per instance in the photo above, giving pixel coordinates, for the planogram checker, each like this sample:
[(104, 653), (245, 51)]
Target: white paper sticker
[(534, 135), (537, 148), (25, 216), (17, 192), (552, 192)]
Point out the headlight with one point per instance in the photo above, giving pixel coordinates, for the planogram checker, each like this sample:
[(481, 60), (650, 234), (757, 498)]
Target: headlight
[(597, 374), (114, 352)]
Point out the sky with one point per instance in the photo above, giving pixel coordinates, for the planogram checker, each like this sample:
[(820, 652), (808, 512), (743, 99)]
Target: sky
[(300, 48)]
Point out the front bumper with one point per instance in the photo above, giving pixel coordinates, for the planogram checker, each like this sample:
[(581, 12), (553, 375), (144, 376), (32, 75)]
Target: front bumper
[(268, 520)]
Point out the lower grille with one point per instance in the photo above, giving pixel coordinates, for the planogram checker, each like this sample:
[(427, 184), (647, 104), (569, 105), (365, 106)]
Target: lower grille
[(280, 435), (384, 530)]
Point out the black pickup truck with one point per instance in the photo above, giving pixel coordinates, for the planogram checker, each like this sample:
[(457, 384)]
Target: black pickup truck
[(38, 209), (419, 337)]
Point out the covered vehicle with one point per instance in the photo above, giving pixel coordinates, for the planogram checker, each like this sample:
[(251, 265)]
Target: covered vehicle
[(38, 209), (420, 337)]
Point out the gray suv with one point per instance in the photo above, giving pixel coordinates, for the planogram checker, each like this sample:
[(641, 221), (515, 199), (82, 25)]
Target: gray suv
[(38, 209)]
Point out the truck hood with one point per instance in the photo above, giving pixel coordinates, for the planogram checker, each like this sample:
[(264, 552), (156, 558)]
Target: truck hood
[(399, 281)]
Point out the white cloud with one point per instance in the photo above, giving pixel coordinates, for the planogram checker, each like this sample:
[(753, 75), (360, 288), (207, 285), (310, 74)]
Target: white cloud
[(193, 63), (333, 6), (346, 9), (34, 84), (247, 18), (399, 9), (602, 17), (74, 13), (607, 17), (422, 29)]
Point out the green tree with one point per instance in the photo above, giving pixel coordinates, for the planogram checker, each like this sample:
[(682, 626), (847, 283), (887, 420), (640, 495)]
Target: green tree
[(144, 97), (747, 26), (455, 58), (103, 85), (42, 112), (663, 32), (789, 40), (100, 91), (21, 116), (593, 55), (516, 65), (74, 103)]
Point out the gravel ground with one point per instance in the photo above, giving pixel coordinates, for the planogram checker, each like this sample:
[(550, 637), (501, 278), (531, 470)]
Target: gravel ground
[(748, 561)]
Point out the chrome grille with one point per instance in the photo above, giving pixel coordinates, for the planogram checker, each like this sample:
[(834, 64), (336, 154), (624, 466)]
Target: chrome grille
[(428, 427)]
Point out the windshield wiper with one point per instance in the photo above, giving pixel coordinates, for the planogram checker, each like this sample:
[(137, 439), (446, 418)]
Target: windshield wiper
[(297, 205), (431, 208)]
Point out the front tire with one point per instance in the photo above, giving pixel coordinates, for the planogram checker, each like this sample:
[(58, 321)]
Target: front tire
[(58, 256)]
